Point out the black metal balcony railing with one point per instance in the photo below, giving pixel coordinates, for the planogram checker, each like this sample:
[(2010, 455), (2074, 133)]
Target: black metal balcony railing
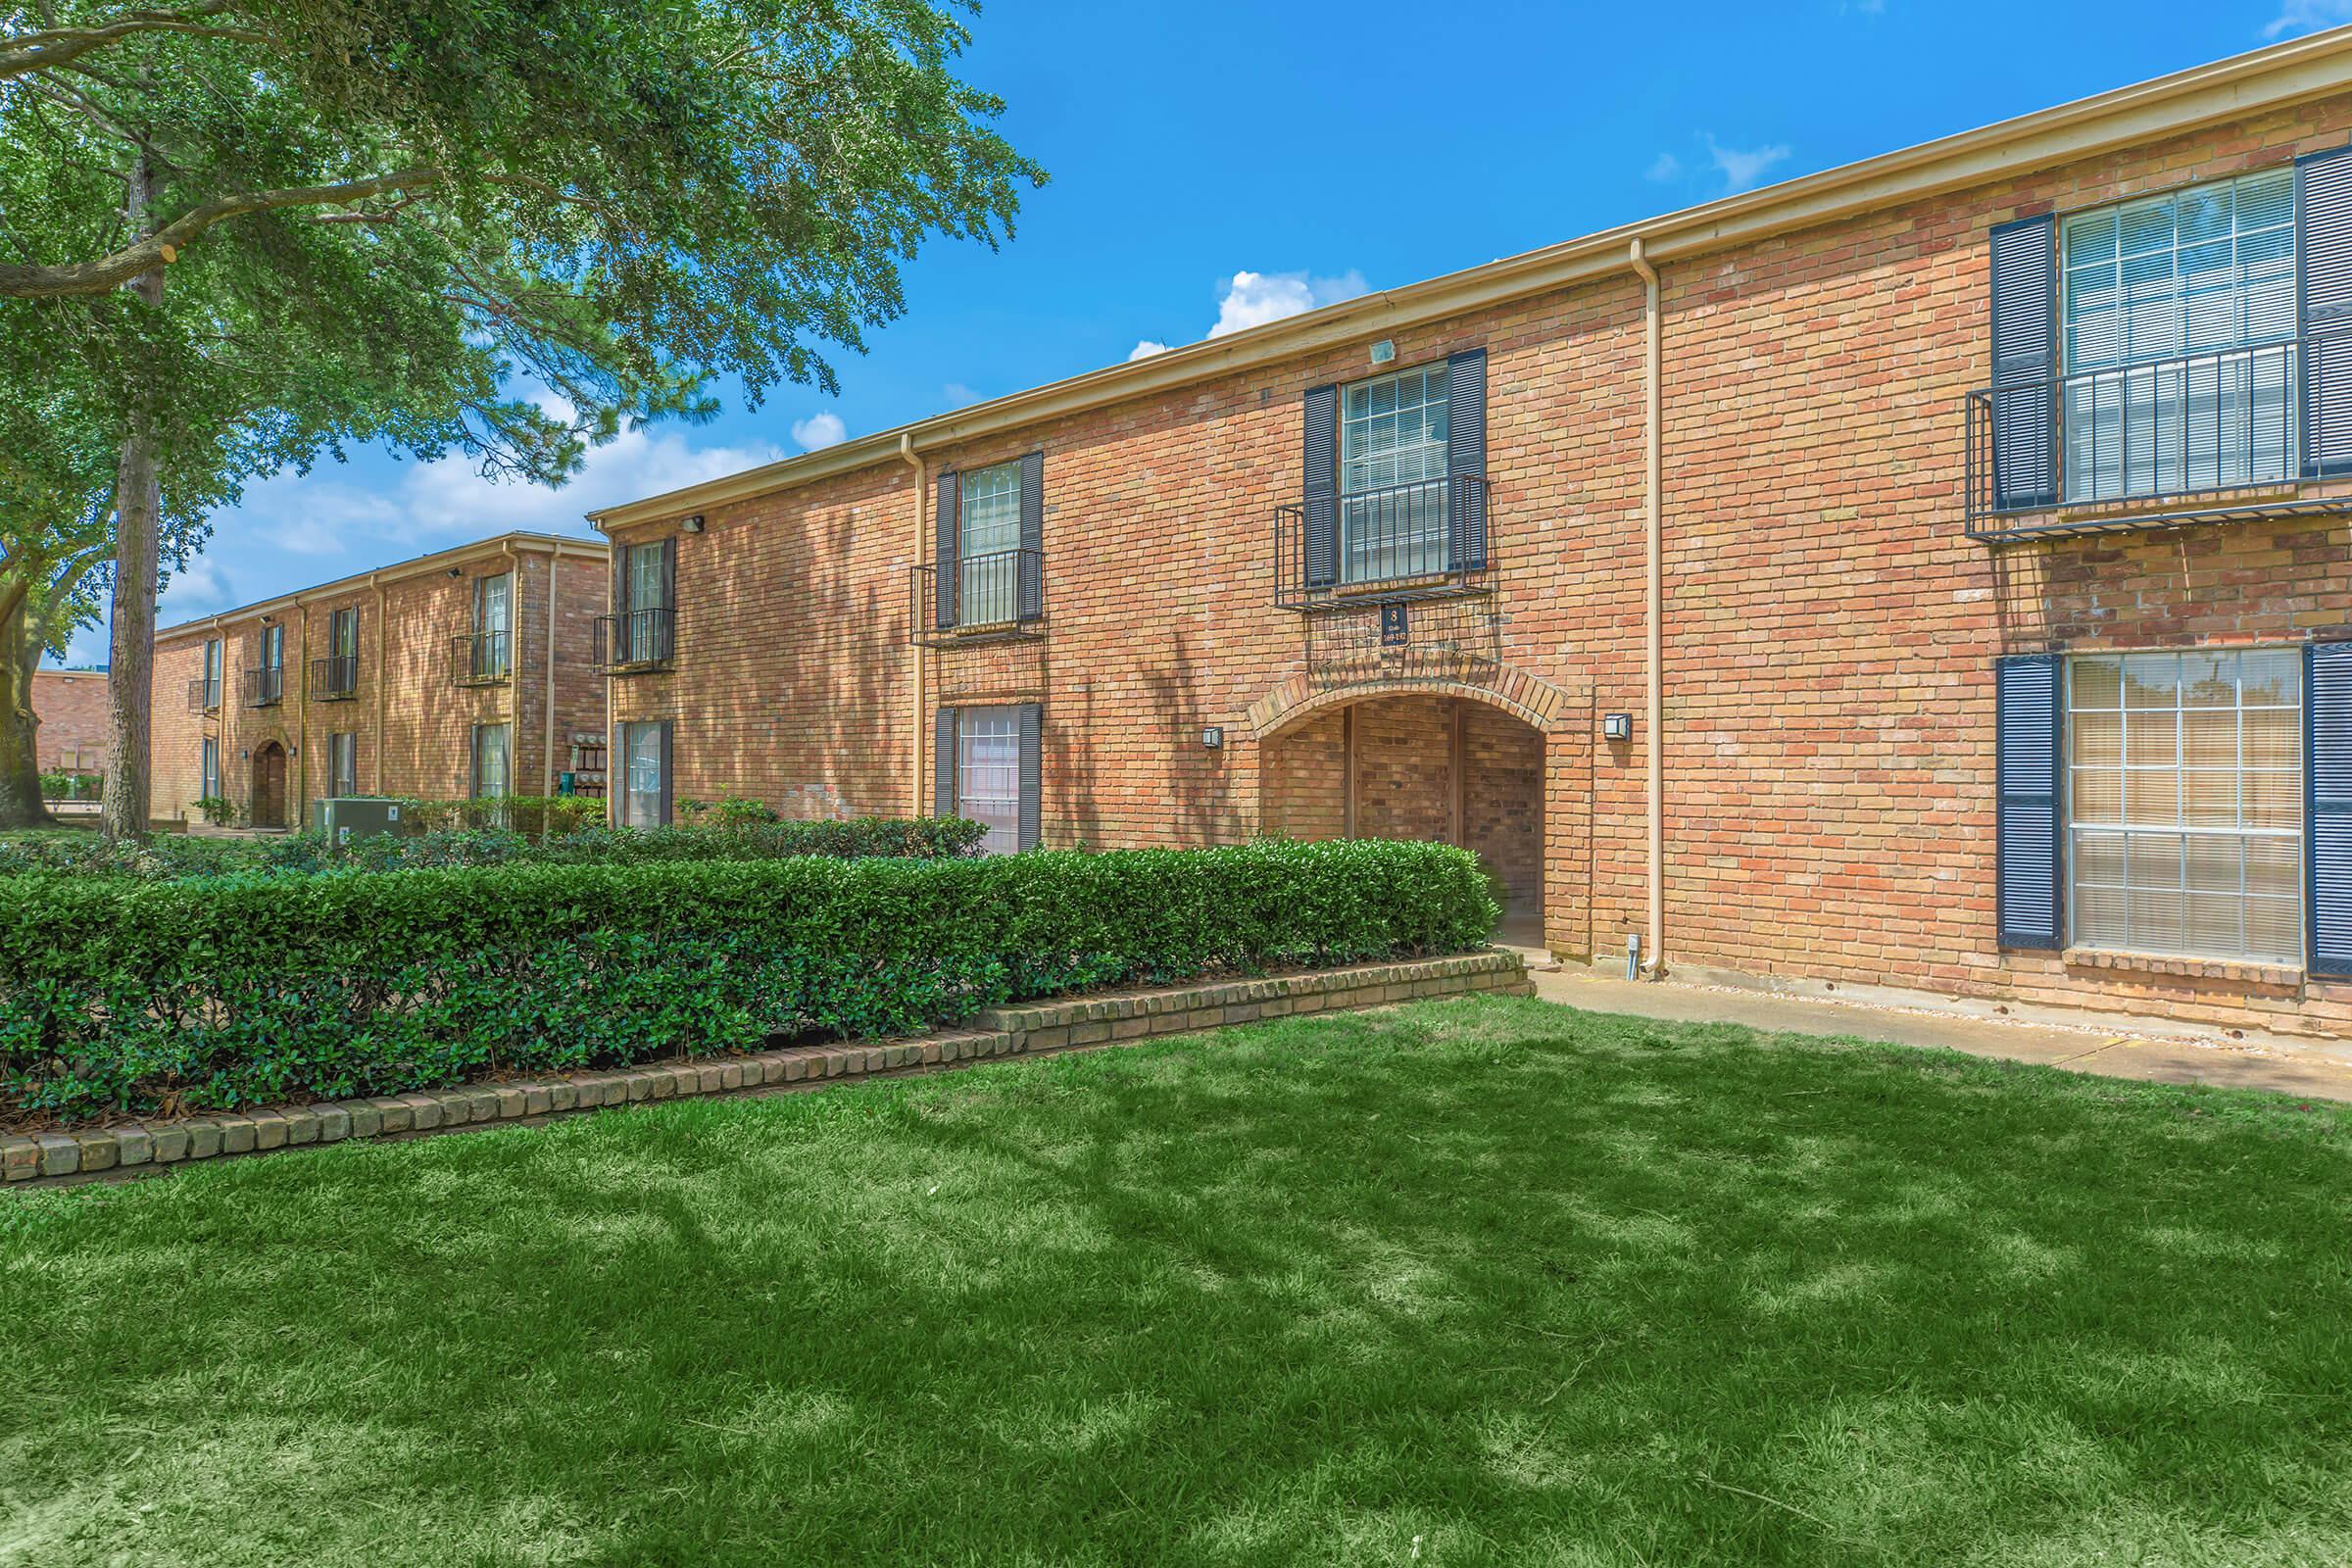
[(1000, 594), (1426, 539), (2207, 423), (265, 687), (204, 694), (335, 678), (480, 658), (634, 640)]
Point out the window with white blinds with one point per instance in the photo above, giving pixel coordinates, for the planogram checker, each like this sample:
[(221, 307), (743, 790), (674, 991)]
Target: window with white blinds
[(988, 774), (2186, 803), (2178, 313)]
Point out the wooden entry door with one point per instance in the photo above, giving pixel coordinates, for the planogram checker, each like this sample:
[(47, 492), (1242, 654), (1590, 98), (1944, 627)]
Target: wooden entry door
[(269, 786)]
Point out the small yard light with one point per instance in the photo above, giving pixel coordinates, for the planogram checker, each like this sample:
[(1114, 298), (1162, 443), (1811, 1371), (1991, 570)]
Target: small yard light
[(1213, 736), (1617, 726), (1383, 352), (693, 524)]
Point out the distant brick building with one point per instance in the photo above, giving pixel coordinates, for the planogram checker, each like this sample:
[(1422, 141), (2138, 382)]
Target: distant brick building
[(459, 673), (71, 705), (2000, 568)]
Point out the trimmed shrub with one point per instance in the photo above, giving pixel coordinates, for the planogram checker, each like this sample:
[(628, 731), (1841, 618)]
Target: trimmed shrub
[(128, 996), (304, 853)]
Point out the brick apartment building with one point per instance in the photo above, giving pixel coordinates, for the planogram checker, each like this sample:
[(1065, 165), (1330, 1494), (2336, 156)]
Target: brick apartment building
[(460, 674), (1930, 574), (71, 707)]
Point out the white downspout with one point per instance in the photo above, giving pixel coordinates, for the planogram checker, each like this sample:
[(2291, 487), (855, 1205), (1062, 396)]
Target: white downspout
[(1653, 573), (915, 714)]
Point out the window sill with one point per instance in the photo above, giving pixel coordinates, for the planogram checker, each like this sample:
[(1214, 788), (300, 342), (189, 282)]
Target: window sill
[(2240, 969)]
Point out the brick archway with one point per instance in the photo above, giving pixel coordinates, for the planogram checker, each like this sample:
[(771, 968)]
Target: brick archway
[(1296, 698)]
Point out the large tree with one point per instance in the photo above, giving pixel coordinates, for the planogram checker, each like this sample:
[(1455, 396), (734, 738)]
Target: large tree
[(449, 203)]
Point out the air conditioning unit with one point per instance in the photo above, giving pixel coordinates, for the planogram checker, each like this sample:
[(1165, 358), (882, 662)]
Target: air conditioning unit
[(357, 817)]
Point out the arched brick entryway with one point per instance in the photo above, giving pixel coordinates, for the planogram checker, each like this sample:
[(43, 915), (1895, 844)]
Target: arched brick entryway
[(1449, 762)]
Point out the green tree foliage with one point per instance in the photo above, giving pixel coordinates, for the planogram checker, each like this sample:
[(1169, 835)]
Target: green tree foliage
[(500, 229)]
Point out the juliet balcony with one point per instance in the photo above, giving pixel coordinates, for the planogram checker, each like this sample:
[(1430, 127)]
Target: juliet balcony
[(1400, 543), (634, 641), (336, 680), (265, 687), (978, 598), (2225, 434), (480, 658)]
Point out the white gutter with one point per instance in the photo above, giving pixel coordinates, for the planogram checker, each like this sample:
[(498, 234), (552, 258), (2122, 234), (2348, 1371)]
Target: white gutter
[(914, 716), (1654, 574)]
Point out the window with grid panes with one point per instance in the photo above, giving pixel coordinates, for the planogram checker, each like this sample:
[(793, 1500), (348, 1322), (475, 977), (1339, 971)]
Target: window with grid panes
[(1392, 476), (2178, 313), (2186, 803), (988, 546)]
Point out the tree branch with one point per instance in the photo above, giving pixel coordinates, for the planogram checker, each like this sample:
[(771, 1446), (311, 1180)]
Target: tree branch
[(164, 244), (42, 51)]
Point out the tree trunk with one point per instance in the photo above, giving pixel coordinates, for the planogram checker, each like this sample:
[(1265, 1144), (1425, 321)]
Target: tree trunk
[(138, 522), (21, 804)]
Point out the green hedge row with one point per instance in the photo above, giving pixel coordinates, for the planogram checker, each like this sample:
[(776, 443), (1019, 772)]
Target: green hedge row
[(129, 995), (170, 857)]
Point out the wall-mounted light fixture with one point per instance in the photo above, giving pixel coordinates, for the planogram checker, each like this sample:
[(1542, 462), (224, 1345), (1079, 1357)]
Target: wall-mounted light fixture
[(456, 571), (1213, 737), (693, 524), (1383, 352), (1617, 726)]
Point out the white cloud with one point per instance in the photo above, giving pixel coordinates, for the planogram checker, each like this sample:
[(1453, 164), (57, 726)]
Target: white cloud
[(1145, 350), (1744, 168), (432, 505), (819, 430), (1252, 299), (1663, 167), (199, 590), (2308, 16)]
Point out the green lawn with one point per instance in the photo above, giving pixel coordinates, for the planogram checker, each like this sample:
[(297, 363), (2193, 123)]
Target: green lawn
[(1485, 1281)]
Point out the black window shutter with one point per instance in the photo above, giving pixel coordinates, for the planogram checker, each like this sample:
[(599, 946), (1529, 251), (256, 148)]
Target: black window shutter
[(2025, 752), (2025, 347), (1319, 490), (620, 580), (1032, 581), (665, 625), (946, 549), (1466, 459), (2323, 264), (2328, 807), (667, 788), (1032, 729), (943, 764)]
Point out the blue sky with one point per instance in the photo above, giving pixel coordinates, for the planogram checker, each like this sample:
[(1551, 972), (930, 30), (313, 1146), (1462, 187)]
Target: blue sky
[(1227, 164)]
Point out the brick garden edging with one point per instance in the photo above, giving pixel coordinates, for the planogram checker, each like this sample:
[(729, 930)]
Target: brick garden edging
[(1030, 1028)]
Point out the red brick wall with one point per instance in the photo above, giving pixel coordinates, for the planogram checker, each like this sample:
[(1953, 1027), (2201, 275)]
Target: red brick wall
[(71, 705), (1829, 631)]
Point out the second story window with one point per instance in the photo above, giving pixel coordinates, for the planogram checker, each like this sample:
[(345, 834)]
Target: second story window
[(207, 692), (1392, 489), (264, 683), (1392, 476), (989, 541), (646, 609), (2178, 323), (338, 673), (493, 625)]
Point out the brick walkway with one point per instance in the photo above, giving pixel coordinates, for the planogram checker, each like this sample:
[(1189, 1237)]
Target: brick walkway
[(2320, 1070)]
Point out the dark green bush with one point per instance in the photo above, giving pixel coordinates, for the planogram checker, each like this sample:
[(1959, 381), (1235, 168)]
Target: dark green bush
[(177, 855), (126, 995)]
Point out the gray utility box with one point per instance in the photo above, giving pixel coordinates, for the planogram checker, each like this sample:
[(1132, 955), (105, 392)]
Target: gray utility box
[(357, 817)]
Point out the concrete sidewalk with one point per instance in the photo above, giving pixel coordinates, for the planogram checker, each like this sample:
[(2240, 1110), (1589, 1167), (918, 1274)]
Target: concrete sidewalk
[(2318, 1071)]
